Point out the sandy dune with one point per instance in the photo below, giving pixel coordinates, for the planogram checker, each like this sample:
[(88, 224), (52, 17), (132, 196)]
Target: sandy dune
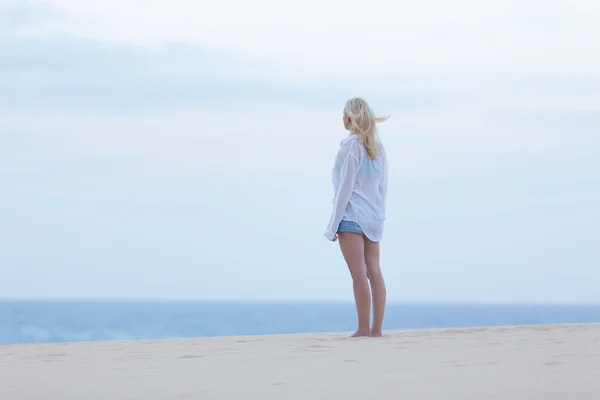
[(559, 362)]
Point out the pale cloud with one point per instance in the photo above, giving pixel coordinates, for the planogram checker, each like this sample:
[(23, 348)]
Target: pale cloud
[(67, 72), (19, 14), (137, 55), (327, 39), (202, 100), (58, 72)]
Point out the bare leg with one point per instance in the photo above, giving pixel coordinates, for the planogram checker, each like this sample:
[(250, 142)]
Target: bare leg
[(352, 246), (377, 285)]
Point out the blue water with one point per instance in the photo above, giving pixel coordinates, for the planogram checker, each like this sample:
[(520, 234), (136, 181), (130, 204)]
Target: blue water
[(70, 321)]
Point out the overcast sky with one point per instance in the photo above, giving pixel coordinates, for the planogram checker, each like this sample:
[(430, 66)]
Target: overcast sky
[(183, 148)]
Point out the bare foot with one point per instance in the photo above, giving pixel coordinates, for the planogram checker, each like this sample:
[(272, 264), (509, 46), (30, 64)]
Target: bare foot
[(361, 333), (376, 334)]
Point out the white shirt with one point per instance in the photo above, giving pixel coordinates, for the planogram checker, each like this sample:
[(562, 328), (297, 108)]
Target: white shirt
[(360, 189)]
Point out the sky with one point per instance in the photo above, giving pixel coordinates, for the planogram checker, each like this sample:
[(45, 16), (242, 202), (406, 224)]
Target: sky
[(183, 150)]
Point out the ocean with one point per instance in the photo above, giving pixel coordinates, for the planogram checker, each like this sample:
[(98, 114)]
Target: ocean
[(75, 321)]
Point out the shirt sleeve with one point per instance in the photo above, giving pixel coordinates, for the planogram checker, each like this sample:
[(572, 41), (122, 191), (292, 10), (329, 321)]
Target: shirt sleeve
[(348, 171), (383, 184)]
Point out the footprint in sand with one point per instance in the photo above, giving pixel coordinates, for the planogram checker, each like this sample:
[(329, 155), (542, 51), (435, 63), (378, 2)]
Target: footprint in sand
[(190, 357)]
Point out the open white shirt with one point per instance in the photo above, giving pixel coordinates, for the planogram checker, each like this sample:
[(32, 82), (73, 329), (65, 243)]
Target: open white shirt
[(360, 189)]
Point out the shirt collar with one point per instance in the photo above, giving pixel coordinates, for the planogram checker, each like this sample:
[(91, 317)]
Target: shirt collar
[(348, 138)]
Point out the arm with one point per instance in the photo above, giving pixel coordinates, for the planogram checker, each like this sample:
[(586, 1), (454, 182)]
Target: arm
[(348, 171)]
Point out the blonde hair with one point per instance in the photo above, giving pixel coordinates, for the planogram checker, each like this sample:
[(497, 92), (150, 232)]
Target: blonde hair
[(362, 123)]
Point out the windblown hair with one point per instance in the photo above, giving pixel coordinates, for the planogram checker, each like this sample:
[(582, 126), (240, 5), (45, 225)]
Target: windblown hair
[(362, 123)]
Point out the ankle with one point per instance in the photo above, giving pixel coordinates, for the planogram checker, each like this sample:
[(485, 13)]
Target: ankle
[(361, 333)]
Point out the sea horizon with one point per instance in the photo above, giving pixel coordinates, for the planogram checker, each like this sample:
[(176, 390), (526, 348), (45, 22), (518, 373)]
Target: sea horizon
[(93, 319)]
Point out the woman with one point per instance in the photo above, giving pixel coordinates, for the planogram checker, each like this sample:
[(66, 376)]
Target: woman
[(360, 189)]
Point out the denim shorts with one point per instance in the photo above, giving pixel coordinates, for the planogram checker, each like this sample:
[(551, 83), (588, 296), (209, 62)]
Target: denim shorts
[(350, 226)]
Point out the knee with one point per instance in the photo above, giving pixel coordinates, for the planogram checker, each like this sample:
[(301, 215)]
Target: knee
[(359, 273), (373, 270)]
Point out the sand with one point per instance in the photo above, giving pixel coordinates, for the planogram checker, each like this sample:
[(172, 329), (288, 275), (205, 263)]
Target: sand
[(544, 362)]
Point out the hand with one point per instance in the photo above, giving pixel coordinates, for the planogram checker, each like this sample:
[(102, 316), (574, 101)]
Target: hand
[(335, 238)]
